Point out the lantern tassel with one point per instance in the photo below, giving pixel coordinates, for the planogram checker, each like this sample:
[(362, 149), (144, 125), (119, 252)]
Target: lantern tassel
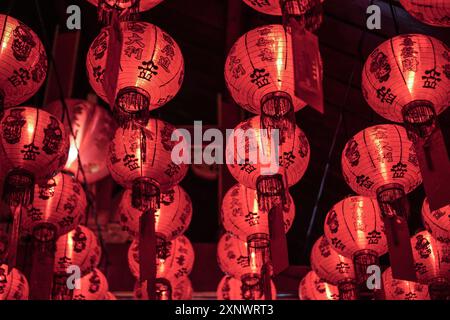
[(266, 278), (14, 238), (18, 188), (147, 252), (362, 260), (347, 290)]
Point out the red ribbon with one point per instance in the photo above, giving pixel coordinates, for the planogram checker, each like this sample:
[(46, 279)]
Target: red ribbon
[(147, 252), (14, 238), (42, 270), (278, 244)]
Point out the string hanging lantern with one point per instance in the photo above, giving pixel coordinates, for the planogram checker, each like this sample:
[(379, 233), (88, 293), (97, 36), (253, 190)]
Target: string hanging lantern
[(79, 247), (151, 70), (334, 269), (403, 290), (93, 286), (230, 288), (437, 222), (432, 12), (13, 284), (312, 287), (23, 62), (171, 288), (380, 161), (354, 228), (432, 262), (92, 129)]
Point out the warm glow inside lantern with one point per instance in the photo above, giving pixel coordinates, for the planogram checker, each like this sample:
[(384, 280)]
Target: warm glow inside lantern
[(437, 222), (13, 284), (403, 290), (93, 286), (230, 288), (171, 288), (312, 287)]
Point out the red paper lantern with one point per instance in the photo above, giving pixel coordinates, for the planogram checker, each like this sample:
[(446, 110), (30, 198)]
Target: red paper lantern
[(174, 258), (13, 284), (259, 71), (405, 74), (432, 262), (151, 70), (273, 7), (334, 268), (23, 62), (437, 222), (432, 12), (354, 228), (171, 288), (93, 129), (171, 219), (143, 5), (403, 290), (312, 287), (242, 217), (230, 288), (93, 286), (141, 159)]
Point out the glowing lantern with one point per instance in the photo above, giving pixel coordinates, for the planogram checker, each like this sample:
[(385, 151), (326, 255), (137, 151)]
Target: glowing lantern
[(23, 62), (151, 70), (93, 286), (230, 288), (259, 72), (174, 259), (334, 268), (403, 290), (437, 222), (314, 288), (432, 262), (171, 288), (354, 228), (93, 128), (433, 12), (13, 284), (127, 9), (171, 219)]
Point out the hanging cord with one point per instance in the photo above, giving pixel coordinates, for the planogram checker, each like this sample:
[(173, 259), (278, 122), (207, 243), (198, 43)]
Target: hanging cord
[(341, 122)]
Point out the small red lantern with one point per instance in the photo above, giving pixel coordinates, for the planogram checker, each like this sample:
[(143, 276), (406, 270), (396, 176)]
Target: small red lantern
[(437, 222), (230, 288), (432, 12), (171, 219), (93, 286), (312, 287), (93, 129), (171, 288), (13, 284), (432, 262), (403, 290), (23, 62), (127, 9), (151, 70), (334, 268)]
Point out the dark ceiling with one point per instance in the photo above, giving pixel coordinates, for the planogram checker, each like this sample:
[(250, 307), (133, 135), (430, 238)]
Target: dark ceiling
[(205, 29)]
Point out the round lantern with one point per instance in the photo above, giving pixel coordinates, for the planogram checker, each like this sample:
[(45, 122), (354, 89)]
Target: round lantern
[(259, 72), (354, 228), (406, 78), (432, 262), (334, 268), (171, 219), (151, 70), (432, 12), (126, 9), (93, 129), (110, 296), (171, 288), (13, 284), (314, 288), (34, 146), (230, 288), (403, 290), (174, 258), (93, 286), (437, 222), (23, 62)]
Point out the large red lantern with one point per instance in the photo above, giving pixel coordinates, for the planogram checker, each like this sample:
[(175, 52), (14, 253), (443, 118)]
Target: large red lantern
[(93, 286), (230, 288), (80, 247), (334, 269), (171, 219), (151, 70), (432, 12), (312, 287), (13, 284), (403, 290), (432, 262), (437, 222), (171, 288), (23, 62), (354, 228), (93, 129), (126, 9)]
